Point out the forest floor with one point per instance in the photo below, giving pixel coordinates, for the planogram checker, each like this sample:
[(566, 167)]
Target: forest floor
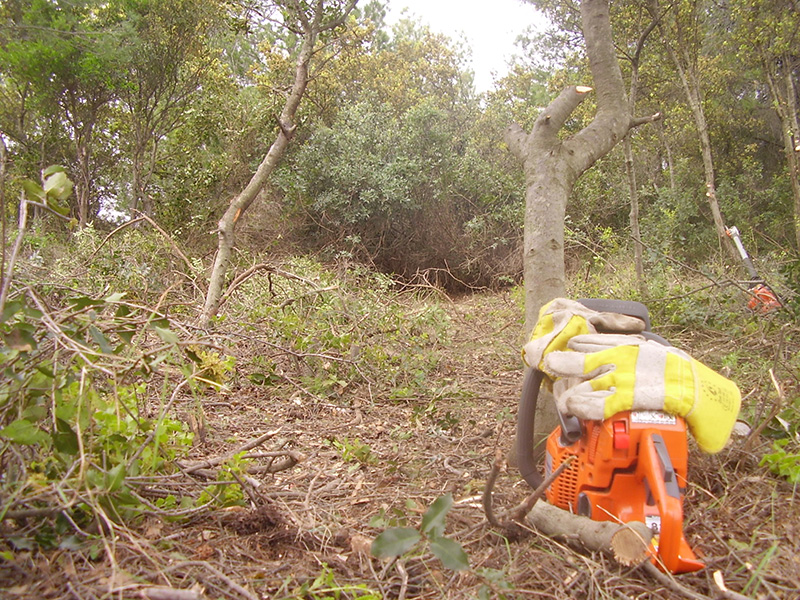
[(367, 462)]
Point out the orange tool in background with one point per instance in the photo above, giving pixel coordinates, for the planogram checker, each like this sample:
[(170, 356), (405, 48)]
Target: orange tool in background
[(762, 299)]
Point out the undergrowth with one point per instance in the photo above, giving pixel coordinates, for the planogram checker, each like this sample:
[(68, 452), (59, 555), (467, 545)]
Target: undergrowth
[(98, 345), (331, 329)]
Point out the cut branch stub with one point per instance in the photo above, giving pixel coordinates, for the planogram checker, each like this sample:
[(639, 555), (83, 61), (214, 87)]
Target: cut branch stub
[(627, 543)]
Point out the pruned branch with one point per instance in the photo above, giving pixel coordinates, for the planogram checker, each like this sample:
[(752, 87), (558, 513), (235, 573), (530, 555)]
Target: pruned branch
[(627, 543), (548, 124), (637, 121), (243, 448)]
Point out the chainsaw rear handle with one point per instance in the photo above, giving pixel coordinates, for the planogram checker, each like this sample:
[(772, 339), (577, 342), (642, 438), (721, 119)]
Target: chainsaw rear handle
[(526, 413), (526, 418)]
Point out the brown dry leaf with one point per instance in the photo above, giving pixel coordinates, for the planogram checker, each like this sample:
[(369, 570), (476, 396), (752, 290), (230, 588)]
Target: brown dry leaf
[(154, 530), (204, 552), (361, 544)]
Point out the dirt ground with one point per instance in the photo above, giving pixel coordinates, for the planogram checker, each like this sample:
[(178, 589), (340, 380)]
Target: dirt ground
[(367, 462)]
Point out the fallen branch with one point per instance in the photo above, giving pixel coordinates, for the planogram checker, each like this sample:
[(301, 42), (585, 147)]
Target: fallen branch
[(167, 593), (671, 583), (213, 462), (518, 512), (755, 434), (627, 543), (245, 275), (203, 575)]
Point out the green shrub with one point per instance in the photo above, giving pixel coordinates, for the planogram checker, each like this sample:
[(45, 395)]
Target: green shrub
[(333, 329), (72, 431)]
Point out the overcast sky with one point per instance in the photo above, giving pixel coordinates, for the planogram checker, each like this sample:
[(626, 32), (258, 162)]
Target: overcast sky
[(490, 28)]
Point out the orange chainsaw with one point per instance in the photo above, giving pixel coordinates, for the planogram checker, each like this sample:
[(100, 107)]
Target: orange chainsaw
[(630, 467)]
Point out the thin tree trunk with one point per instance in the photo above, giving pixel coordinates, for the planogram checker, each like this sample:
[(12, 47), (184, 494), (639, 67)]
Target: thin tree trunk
[(311, 27), (786, 107), (630, 167), (792, 143), (668, 149), (692, 88)]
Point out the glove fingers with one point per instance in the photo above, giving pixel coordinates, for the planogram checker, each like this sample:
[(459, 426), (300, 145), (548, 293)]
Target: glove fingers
[(715, 409), (608, 322), (596, 342), (572, 365), (580, 400)]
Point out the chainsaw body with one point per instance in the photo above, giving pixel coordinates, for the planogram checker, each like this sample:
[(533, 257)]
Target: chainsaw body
[(630, 467)]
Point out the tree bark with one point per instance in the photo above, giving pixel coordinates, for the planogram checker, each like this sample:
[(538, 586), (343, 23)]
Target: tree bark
[(690, 81), (552, 165), (627, 543), (311, 26), (630, 167), (786, 107), (792, 142)]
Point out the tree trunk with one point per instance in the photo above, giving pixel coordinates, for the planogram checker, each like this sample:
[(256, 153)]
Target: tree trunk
[(792, 143), (84, 187), (630, 167), (668, 149), (552, 166), (786, 108), (311, 26), (690, 80), (227, 224), (633, 194)]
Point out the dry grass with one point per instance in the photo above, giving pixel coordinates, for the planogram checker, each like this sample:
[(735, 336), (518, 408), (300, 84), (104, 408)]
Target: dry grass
[(744, 522)]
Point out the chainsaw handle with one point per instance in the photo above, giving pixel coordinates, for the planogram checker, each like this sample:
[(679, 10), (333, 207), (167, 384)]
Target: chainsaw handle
[(526, 417), (655, 466)]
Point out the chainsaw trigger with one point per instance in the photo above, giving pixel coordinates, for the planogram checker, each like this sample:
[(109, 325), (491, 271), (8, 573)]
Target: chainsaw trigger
[(622, 438)]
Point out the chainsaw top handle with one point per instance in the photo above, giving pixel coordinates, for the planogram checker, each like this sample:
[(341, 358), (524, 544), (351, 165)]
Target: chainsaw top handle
[(526, 413)]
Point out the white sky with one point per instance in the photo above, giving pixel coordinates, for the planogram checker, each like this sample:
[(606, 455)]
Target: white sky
[(489, 27)]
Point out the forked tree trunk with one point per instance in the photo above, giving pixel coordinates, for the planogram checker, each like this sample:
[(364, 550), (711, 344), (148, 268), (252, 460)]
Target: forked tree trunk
[(553, 164)]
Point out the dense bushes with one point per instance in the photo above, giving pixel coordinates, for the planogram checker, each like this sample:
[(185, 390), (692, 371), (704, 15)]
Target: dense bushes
[(407, 194)]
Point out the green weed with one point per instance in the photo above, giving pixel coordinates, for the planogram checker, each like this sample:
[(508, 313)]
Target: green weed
[(325, 587), (397, 541), (72, 432), (354, 450), (784, 460)]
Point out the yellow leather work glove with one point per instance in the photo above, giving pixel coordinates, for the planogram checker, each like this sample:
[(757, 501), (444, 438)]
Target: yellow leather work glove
[(603, 374), (562, 319)]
